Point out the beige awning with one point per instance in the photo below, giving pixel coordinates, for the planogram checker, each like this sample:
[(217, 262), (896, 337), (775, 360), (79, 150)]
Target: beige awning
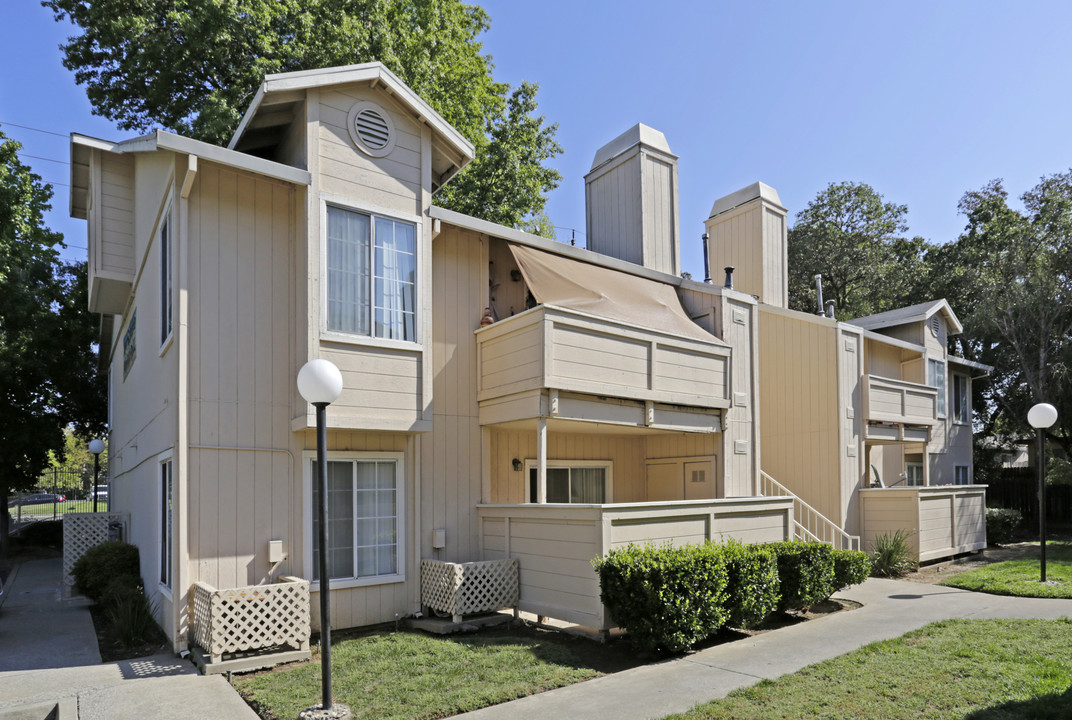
[(556, 280)]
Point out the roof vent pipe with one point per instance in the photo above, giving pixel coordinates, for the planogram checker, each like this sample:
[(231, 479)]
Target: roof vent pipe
[(830, 309), (729, 276), (706, 260), (819, 293)]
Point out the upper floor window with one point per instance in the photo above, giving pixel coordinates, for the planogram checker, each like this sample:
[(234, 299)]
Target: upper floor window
[(936, 378), (961, 399), (165, 282), (372, 275)]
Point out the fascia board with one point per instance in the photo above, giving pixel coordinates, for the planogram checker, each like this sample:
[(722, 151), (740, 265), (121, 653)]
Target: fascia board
[(231, 158)]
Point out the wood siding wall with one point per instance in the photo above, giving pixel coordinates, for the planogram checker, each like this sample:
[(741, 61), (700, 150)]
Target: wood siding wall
[(116, 213), (853, 470), (751, 238), (799, 404), (942, 521)]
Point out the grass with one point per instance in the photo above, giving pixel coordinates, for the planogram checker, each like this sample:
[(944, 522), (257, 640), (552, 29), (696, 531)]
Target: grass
[(413, 675), (971, 669), (59, 508), (1020, 578)]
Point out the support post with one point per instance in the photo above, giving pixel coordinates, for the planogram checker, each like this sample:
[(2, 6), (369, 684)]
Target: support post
[(325, 584), (541, 461)]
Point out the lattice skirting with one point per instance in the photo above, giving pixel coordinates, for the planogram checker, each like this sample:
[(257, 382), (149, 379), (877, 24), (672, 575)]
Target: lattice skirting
[(463, 588), (81, 531), (250, 618)]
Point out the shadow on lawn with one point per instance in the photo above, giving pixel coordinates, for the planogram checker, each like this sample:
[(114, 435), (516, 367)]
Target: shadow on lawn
[(1053, 706)]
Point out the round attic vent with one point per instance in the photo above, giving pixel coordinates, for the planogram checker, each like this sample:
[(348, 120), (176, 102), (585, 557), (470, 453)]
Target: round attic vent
[(371, 129)]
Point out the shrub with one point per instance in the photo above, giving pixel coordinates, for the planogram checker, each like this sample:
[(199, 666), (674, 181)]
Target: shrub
[(131, 616), (1002, 524), (851, 567), (752, 589), (102, 564), (666, 598), (891, 555), (806, 573)]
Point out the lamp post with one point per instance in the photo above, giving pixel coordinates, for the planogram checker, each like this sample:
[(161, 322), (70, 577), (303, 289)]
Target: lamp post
[(320, 383), (96, 446), (1040, 417)]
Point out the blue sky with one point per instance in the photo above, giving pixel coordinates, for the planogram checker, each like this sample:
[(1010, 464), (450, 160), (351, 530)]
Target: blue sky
[(922, 100)]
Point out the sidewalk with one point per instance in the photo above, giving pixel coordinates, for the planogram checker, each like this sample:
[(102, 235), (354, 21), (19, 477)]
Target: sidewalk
[(890, 608), (49, 656)]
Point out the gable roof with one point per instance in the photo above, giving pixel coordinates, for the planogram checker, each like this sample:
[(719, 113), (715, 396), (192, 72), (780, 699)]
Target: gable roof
[(920, 312), (278, 98)]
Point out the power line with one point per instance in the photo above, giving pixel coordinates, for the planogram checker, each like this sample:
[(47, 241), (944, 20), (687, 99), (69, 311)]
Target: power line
[(38, 157), (27, 127)]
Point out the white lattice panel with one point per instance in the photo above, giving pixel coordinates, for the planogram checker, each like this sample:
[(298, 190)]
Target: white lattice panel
[(81, 531), (463, 588), (251, 617)]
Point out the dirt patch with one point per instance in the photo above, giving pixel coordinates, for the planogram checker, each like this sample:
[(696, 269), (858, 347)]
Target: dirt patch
[(112, 648), (938, 572)]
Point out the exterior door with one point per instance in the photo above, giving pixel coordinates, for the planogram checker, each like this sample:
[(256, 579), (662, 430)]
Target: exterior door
[(665, 482)]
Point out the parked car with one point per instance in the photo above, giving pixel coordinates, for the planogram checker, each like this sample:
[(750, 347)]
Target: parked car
[(101, 493), (36, 499)]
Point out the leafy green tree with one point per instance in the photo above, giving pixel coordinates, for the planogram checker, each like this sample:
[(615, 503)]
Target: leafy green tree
[(194, 66), (48, 376), (1009, 276), (851, 236)]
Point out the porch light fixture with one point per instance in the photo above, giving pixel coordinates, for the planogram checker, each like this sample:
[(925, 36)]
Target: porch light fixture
[(96, 446), (320, 383), (517, 465), (1040, 417)]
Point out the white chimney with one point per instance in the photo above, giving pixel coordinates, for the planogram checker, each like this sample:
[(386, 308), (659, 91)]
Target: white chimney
[(631, 200), (748, 231)]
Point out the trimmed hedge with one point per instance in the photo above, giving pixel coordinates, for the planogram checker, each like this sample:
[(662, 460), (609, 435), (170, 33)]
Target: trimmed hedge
[(1002, 524), (753, 589), (106, 566), (806, 572), (667, 598), (851, 567)]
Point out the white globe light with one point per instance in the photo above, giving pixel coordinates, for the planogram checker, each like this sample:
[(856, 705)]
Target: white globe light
[(1042, 415), (96, 446), (319, 381)]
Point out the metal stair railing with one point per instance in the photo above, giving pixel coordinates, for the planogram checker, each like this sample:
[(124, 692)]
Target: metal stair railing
[(808, 523)]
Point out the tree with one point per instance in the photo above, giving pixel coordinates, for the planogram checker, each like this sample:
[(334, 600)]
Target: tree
[(194, 66), (850, 235), (1009, 275), (48, 377)]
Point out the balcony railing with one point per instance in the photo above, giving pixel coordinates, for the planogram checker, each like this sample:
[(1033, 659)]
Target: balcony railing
[(942, 520), (898, 401)]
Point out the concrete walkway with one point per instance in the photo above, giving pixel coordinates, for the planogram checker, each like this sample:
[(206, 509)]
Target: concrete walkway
[(49, 656), (890, 608)]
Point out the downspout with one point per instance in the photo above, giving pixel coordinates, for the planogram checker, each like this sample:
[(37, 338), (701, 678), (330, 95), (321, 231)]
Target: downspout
[(181, 523)]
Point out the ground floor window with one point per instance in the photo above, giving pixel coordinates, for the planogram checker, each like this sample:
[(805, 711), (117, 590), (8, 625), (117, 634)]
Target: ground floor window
[(364, 518), (962, 475), (573, 482), (166, 521)]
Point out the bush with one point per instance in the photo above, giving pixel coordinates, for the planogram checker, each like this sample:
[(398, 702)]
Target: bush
[(806, 573), (891, 555), (131, 616), (851, 567), (666, 598), (101, 565), (1002, 524), (752, 589)]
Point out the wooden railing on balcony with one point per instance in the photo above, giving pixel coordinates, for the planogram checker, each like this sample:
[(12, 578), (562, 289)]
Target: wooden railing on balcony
[(900, 401), (554, 348), (942, 520), (808, 523)]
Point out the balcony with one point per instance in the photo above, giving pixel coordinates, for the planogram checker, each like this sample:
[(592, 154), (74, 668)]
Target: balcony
[(551, 348), (898, 411)]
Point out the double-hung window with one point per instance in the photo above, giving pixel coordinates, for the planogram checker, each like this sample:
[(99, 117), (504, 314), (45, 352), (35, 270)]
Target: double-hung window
[(936, 378), (961, 399), (372, 275), (167, 487), (364, 518), (573, 482)]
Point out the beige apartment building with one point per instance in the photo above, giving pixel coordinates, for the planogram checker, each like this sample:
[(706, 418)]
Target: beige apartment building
[(508, 399)]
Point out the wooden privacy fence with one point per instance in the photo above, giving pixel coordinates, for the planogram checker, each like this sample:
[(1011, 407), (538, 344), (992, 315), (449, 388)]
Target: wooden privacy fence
[(1021, 493), (463, 588), (81, 531), (254, 617)]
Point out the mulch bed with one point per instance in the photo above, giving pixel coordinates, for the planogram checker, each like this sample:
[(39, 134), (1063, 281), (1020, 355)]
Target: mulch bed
[(112, 648)]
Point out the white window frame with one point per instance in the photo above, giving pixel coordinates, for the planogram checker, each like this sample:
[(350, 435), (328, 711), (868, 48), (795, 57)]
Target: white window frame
[(965, 397), (341, 203), (608, 465), (940, 381), (165, 545), (167, 279), (308, 460), (967, 474)]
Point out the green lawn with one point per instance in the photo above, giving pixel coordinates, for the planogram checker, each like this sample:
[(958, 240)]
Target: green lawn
[(60, 508), (414, 675), (1021, 577), (976, 670)]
